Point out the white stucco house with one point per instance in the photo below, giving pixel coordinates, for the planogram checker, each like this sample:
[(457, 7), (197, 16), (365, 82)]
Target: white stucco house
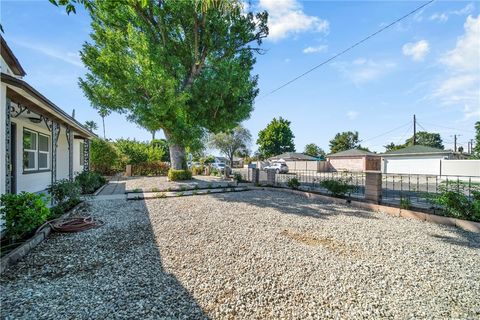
[(39, 142)]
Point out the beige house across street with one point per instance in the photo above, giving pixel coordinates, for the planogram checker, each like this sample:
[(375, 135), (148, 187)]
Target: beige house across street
[(39, 142), (353, 160)]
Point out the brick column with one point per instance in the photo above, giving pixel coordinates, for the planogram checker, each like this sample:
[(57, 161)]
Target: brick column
[(373, 186), (271, 177)]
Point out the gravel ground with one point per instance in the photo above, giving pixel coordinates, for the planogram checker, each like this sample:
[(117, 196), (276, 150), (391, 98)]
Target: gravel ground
[(161, 183), (254, 254)]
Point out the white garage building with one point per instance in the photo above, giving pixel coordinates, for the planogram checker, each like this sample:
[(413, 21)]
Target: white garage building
[(419, 160)]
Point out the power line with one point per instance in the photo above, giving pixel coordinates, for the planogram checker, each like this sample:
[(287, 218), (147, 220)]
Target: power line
[(348, 49), (441, 126), (405, 134), (385, 133)]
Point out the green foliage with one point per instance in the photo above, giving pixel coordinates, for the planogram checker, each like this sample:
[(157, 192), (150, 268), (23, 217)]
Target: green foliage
[(214, 172), (91, 125), (23, 213), (276, 138), (177, 175), (405, 203), (163, 145), (231, 142), (455, 202), (429, 139), (135, 152), (103, 156), (313, 150), (344, 141), (154, 168), (207, 160), (89, 181), (65, 191), (237, 176), (476, 149), (338, 187), (174, 67), (293, 183), (198, 170)]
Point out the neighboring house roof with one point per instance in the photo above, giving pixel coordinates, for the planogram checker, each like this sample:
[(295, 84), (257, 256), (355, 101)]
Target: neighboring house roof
[(23, 93), (292, 156), (11, 60), (351, 153), (237, 159), (417, 150), (221, 158)]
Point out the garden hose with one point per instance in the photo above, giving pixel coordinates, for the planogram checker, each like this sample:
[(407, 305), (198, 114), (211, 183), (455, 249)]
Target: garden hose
[(72, 224)]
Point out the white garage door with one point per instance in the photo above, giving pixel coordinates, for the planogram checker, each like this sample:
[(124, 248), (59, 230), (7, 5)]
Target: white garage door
[(412, 166)]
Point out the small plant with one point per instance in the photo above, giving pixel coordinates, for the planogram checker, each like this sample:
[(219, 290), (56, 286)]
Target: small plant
[(209, 185), (196, 187), (195, 192), (177, 175), (293, 183), (405, 203), (137, 190), (155, 189), (23, 213), (89, 181), (161, 195), (209, 191), (179, 194), (237, 176), (182, 188), (337, 188), (64, 191), (214, 172), (456, 204)]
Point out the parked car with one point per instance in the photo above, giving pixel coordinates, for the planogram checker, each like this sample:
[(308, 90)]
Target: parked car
[(219, 166), (279, 167)]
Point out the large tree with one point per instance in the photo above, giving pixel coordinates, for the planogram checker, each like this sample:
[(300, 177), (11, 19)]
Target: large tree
[(276, 138), (423, 138), (345, 141), (91, 125), (231, 142), (181, 66), (476, 148), (313, 150)]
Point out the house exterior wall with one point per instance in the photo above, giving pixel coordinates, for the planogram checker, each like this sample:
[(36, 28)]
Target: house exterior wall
[(347, 163), (77, 166), (62, 154), (420, 164)]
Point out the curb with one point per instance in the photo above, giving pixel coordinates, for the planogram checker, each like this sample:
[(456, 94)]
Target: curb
[(186, 193), (392, 211), (21, 251)]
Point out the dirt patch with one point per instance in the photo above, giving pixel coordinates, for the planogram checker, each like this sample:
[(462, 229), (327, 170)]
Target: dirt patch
[(325, 242)]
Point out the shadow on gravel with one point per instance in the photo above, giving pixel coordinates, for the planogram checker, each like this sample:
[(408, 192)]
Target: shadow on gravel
[(282, 202), (115, 271), (462, 238)]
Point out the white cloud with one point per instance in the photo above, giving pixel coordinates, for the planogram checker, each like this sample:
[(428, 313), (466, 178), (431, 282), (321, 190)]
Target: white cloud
[(317, 49), (417, 50), (72, 58), (286, 17), (461, 85), (361, 70), (443, 17), (352, 115)]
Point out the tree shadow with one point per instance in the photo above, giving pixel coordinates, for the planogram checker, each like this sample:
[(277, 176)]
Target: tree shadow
[(294, 204), (460, 238), (112, 271)]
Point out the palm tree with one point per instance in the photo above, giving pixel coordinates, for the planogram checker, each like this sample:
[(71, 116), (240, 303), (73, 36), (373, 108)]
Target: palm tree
[(103, 113), (91, 125)]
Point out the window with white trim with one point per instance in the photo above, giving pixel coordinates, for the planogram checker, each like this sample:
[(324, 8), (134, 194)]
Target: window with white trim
[(36, 151)]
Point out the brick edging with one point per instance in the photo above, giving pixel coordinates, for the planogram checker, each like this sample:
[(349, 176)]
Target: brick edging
[(21, 251), (392, 211)]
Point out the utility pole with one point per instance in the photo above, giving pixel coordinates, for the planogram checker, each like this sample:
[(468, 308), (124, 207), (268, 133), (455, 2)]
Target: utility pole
[(455, 142), (414, 130), (471, 146)]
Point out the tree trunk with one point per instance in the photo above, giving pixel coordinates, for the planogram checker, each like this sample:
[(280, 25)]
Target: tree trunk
[(103, 121), (153, 134), (177, 154)]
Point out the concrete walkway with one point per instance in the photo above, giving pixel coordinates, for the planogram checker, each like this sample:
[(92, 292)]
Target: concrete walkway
[(116, 186)]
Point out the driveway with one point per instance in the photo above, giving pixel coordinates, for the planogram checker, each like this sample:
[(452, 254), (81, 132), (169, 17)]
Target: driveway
[(254, 254)]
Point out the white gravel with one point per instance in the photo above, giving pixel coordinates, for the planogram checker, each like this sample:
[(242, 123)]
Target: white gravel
[(254, 254)]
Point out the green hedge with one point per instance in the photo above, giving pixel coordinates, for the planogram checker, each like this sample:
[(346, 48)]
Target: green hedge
[(23, 213), (155, 168), (176, 175)]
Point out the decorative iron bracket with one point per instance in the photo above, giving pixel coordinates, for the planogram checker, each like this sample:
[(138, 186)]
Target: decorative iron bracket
[(17, 110), (48, 122)]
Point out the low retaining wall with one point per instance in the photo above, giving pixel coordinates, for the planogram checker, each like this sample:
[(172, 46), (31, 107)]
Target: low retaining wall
[(392, 211), (21, 251)]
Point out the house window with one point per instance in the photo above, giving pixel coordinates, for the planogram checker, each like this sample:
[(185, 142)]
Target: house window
[(82, 154), (36, 151)]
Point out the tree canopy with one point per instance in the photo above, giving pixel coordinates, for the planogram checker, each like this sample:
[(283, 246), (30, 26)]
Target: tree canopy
[(424, 138), (230, 143), (476, 148), (91, 125), (313, 150), (180, 66), (276, 138), (344, 141)]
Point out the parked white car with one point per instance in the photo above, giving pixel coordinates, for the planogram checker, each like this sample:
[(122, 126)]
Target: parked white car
[(219, 166), (279, 167)]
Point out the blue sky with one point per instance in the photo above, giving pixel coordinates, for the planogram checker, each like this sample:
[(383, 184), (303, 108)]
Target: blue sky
[(428, 65)]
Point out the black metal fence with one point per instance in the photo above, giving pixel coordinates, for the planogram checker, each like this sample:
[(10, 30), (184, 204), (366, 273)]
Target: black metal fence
[(312, 180), (419, 190)]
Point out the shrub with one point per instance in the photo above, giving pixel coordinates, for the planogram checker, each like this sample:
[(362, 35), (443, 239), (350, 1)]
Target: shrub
[(136, 152), (104, 157), (293, 183), (237, 176), (154, 168), (23, 213), (337, 188), (456, 204), (405, 203), (89, 181), (66, 195), (214, 172), (176, 175), (198, 170)]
